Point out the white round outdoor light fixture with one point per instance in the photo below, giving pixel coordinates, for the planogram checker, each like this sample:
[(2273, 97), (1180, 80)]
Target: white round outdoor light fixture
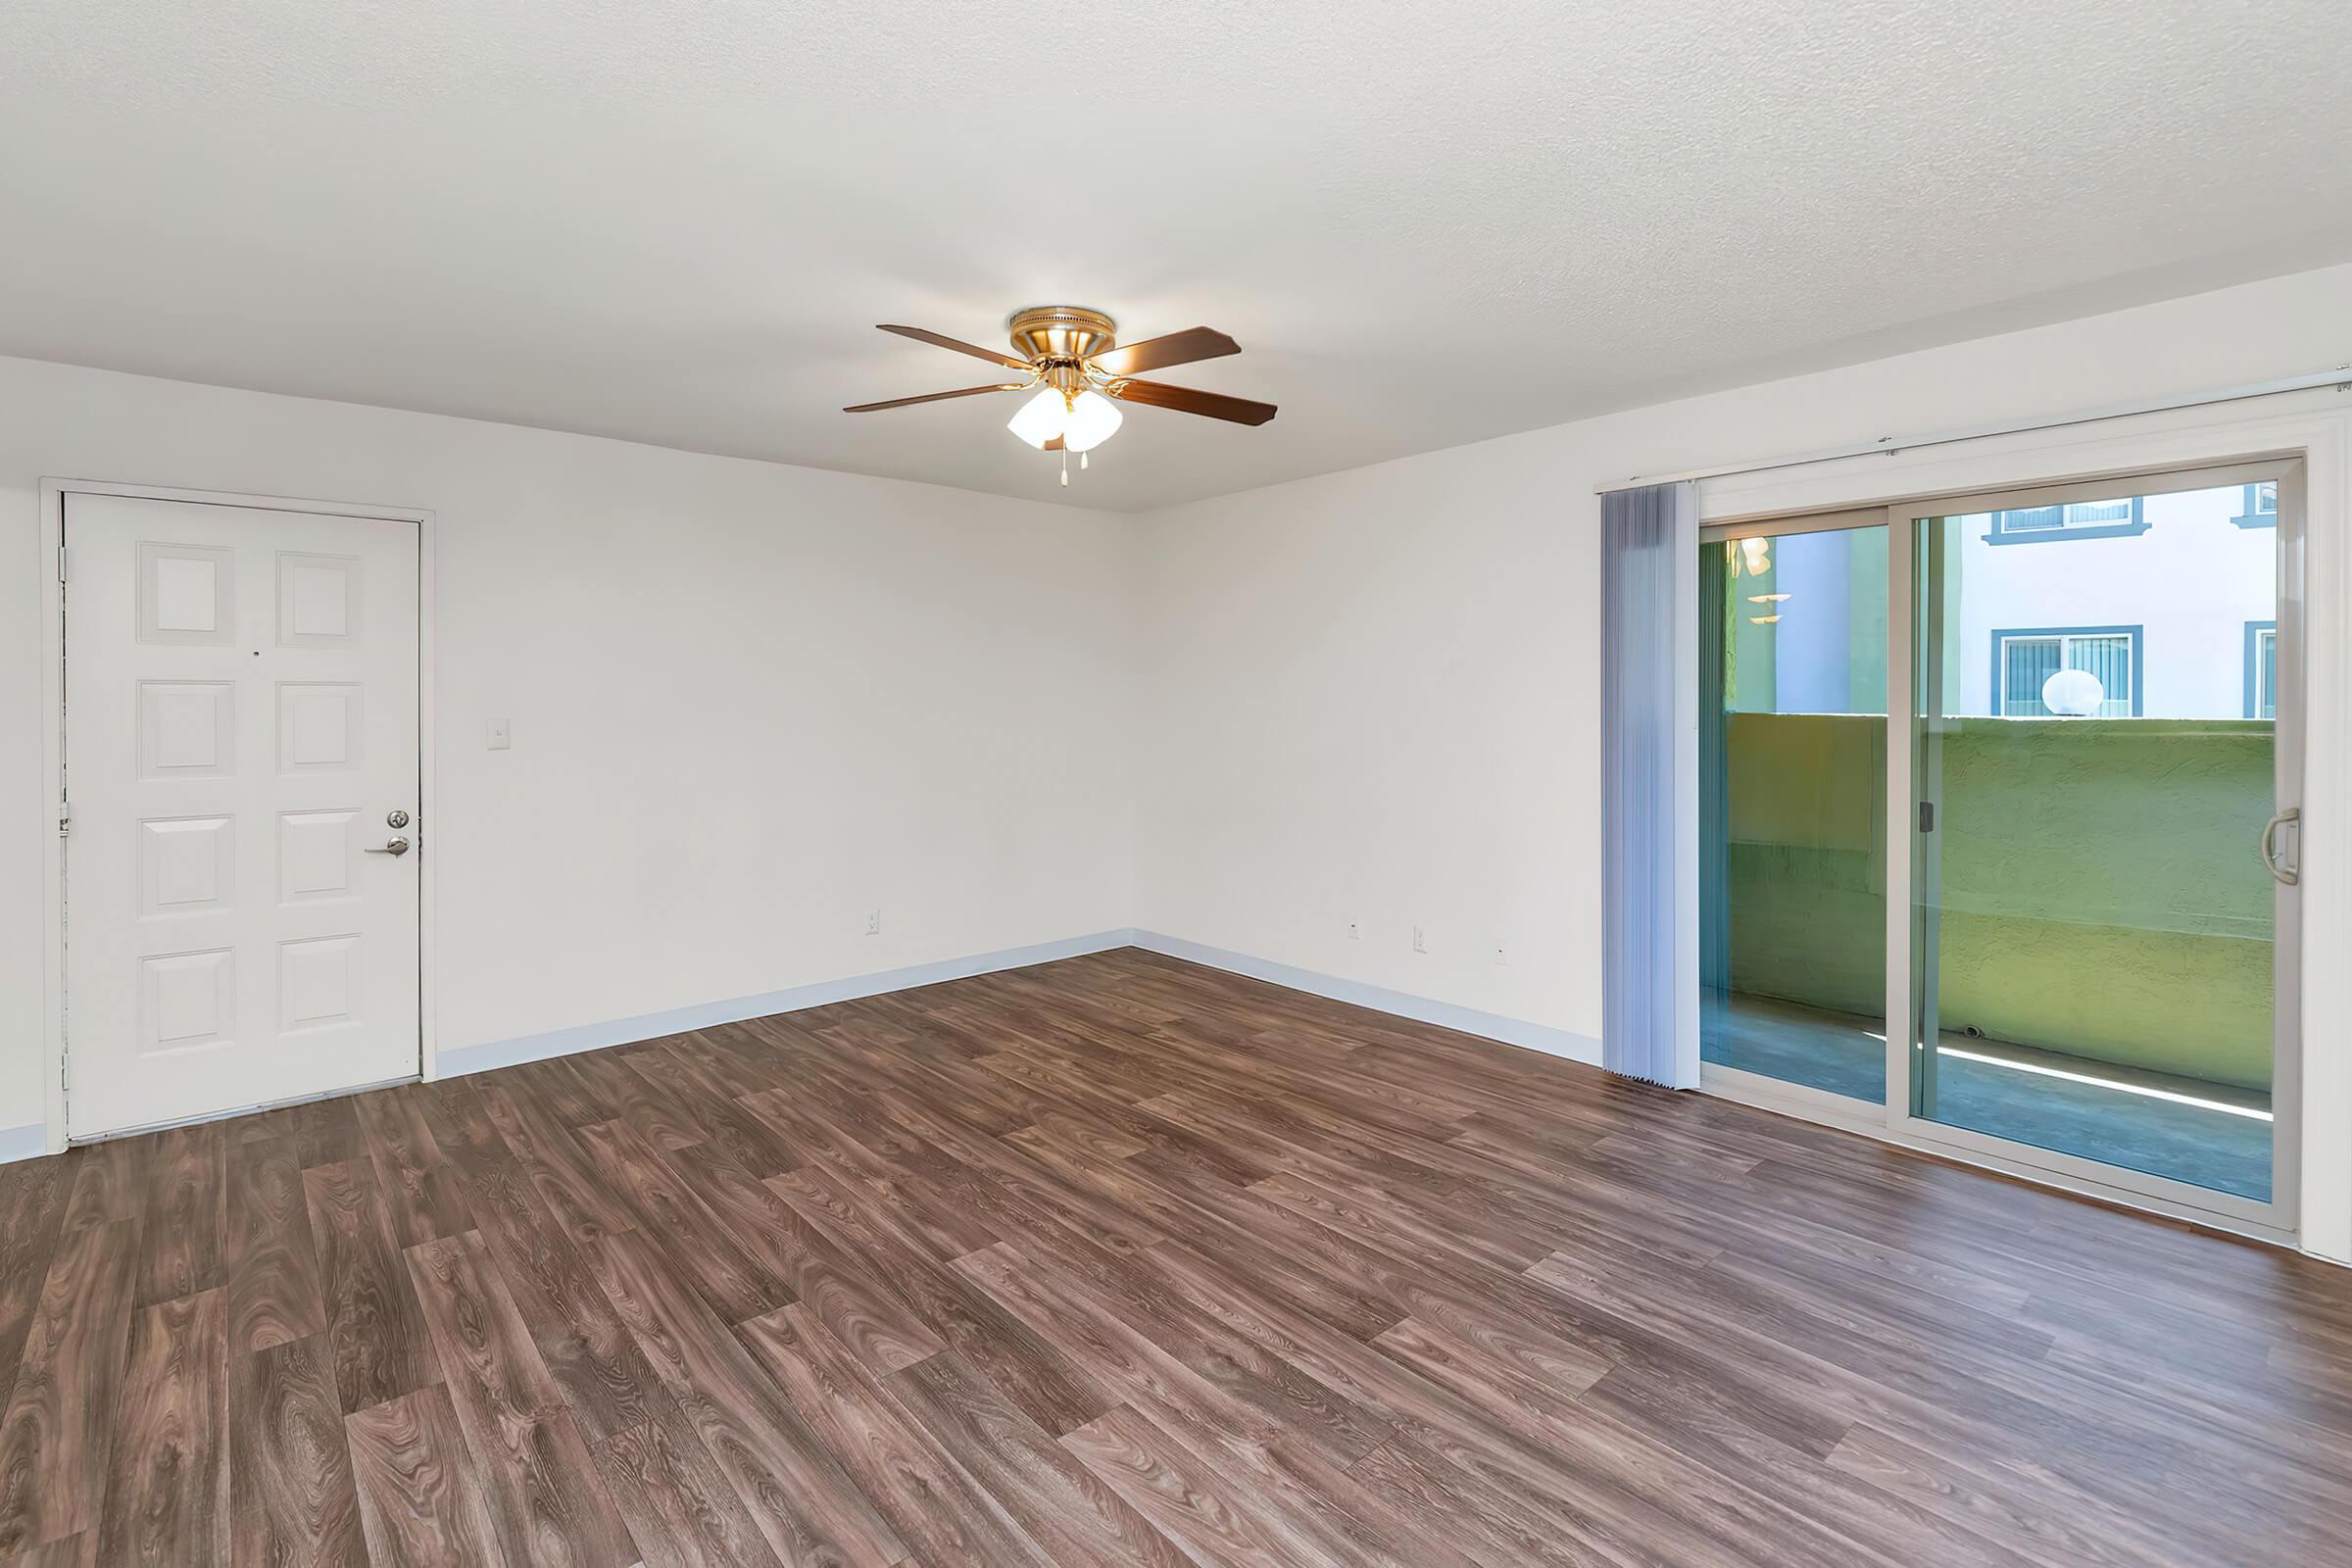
[(2072, 694)]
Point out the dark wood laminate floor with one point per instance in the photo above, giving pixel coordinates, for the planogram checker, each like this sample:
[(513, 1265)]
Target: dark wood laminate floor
[(1121, 1260)]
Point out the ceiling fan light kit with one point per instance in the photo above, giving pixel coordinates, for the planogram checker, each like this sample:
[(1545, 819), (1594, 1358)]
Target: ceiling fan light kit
[(1073, 359), (1082, 422)]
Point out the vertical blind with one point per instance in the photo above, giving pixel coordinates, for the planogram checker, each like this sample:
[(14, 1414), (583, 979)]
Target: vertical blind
[(1649, 772)]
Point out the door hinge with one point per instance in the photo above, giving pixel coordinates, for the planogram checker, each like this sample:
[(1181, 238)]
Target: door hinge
[(1926, 816), (65, 817), (61, 562)]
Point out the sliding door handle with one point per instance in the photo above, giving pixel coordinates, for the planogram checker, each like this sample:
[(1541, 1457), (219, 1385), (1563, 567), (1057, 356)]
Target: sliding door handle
[(2291, 817)]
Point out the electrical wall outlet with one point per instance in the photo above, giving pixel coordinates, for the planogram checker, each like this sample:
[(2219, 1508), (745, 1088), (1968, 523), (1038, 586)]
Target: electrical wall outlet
[(873, 922), (1355, 933), (1420, 940)]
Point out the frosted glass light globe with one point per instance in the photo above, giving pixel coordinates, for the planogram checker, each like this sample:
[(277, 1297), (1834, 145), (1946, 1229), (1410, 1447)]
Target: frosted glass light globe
[(2072, 694), (1094, 420), (1041, 419)]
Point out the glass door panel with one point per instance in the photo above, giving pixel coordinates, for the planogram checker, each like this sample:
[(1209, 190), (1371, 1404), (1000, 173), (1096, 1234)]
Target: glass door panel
[(1792, 791), (2095, 755)]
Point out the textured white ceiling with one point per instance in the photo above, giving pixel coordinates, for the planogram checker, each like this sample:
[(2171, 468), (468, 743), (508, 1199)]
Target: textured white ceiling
[(676, 221)]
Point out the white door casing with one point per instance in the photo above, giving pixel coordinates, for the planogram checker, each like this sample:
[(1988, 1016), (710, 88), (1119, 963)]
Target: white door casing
[(2193, 462), (240, 719)]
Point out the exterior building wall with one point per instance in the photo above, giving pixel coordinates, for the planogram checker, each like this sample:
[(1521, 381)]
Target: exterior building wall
[(2192, 580), (2187, 576)]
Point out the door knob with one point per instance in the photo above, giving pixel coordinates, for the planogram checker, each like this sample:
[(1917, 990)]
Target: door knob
[(396, 847)]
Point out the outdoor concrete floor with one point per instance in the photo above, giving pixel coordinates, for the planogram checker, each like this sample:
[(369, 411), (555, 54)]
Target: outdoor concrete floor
[(2211, 1135)]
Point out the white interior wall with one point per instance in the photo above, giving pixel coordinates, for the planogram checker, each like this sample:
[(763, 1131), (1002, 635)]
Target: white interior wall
[(1373, 696), (750, 703)]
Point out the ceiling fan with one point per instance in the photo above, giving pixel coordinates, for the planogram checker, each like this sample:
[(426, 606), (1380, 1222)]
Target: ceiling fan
[(1073, 356)]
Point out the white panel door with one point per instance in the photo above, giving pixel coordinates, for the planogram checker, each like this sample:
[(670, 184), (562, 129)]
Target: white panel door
[(240, 729)]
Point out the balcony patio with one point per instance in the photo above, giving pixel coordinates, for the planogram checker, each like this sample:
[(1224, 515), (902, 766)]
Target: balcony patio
[(2098, 924), (2208, 1134)]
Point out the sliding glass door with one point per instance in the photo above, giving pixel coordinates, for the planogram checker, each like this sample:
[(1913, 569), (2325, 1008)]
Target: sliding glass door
[(2102, 901), (1792, 804), (2081, 916)]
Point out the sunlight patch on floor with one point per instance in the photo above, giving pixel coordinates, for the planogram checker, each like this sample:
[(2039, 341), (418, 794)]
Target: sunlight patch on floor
[(2104, 1083)]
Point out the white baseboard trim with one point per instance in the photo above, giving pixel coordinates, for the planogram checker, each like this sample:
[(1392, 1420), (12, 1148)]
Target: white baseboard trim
[(1421, 1010), (26, 1143), (702, 1015)]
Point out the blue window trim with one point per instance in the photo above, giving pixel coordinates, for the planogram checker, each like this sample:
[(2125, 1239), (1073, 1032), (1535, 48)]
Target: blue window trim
[(2254, 631), (2248, 517), (2139, 666), (2003, 534)]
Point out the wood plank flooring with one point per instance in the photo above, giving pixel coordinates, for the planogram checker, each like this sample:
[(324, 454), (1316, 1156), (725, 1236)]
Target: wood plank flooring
[(1122, 1260)]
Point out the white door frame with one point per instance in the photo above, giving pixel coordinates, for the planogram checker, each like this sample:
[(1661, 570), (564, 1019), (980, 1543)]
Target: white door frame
[(53, 753), (2315, 428), (2277, 1220)]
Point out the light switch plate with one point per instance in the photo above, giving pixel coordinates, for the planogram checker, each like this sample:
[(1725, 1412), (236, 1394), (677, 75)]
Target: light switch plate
[(501, 739)]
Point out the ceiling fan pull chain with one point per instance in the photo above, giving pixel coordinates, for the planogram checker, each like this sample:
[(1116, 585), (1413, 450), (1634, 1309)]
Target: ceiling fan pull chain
[(1065, 465), (1082, 457)]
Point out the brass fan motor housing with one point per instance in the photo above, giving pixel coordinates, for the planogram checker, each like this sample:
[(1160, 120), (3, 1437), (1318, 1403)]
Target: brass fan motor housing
[(1068, 333)]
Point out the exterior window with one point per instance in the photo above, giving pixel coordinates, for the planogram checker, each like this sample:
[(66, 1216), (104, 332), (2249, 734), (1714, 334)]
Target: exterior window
[(2076, 519), (2258, 505), (2024, 660), (2262, 669)]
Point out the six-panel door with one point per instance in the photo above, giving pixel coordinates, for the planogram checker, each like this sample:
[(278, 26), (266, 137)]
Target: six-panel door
[(241, 721)]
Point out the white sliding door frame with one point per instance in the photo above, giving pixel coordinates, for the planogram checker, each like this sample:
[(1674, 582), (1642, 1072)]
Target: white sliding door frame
[(2306, 448), (2274, 1220), (53, 757)]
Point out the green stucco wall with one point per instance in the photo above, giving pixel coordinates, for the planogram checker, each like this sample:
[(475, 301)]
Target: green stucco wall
[(2100, 892)]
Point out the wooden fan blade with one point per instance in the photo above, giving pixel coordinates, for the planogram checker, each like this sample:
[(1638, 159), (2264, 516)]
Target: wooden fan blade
[(1158, 352), (1185, 400), (973, 349), (934, 397), (1055, 445)]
